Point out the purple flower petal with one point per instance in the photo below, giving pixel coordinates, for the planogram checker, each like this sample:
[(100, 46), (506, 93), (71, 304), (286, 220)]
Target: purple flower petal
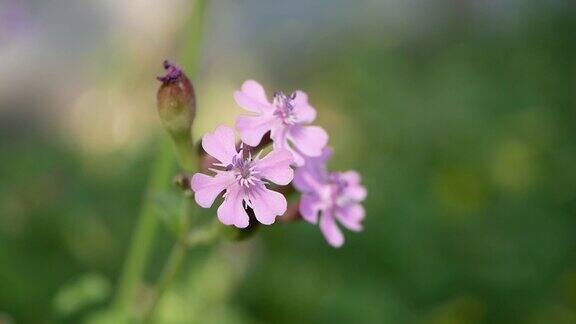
[(207, 188), (298, 157), (276, 167), (351, 177), (334, 196), (309, 207), (220, 144), (244, 179), (310, 140), (232, 212), (331, 232), (267, 204), (252, 97), (306, 181), (310, 176), (304, 112), (278, 133), (324, 157), (253, 128), (300, 98), (351, 216), (354, 190)]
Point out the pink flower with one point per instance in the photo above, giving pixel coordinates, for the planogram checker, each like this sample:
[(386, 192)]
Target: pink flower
[(332, 196), (244, 180), (285, 118)]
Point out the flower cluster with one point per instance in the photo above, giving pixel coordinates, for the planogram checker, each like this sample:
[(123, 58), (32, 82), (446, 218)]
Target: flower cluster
[(246, 179)]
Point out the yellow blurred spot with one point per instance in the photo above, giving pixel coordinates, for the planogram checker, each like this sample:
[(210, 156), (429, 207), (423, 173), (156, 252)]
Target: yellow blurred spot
[(568, 288), (174, 308), (513, 166), (345, 133), (102, 122), (459, 190), (216, 106)]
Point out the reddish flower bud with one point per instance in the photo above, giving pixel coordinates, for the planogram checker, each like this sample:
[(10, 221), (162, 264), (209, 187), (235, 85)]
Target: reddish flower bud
[(176, 101), (177, 109)]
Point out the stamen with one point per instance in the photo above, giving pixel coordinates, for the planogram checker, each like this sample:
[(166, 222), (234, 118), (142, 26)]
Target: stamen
[(243, 168), (285, 108)]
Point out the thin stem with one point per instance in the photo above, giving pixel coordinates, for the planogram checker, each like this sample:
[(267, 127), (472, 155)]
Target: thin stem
[(160, 179), (168, 273), (205, 235), (193, 37), (185, 151), (145, 228)]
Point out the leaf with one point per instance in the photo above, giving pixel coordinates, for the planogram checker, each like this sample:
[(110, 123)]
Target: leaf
[(85, 291)]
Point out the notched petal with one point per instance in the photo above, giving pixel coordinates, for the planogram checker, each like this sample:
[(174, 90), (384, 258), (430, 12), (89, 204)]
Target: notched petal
[(207, 188), (310, 140), (221, 144), (351, 216), (253, 128), (309, 207), (331, 232), (305, 113), (267, 204), (232, 212), (276, 167), (252, 97)]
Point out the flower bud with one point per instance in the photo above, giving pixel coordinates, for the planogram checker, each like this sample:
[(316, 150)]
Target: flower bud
[(177, 109), (176, 101)]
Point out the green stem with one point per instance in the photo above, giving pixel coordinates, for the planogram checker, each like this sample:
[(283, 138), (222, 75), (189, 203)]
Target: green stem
[(145, 229), (193, 37), (168, 273), (204, 235), (185, 151), (160, 179)]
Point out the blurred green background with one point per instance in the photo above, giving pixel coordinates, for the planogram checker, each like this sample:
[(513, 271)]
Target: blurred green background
[(460, 115)]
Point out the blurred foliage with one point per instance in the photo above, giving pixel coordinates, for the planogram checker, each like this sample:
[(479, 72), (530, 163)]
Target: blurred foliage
[(465, 139), (87, 290)]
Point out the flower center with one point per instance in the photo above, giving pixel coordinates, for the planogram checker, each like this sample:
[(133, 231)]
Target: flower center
[(285, 107), (245, 170), (334, 191)]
